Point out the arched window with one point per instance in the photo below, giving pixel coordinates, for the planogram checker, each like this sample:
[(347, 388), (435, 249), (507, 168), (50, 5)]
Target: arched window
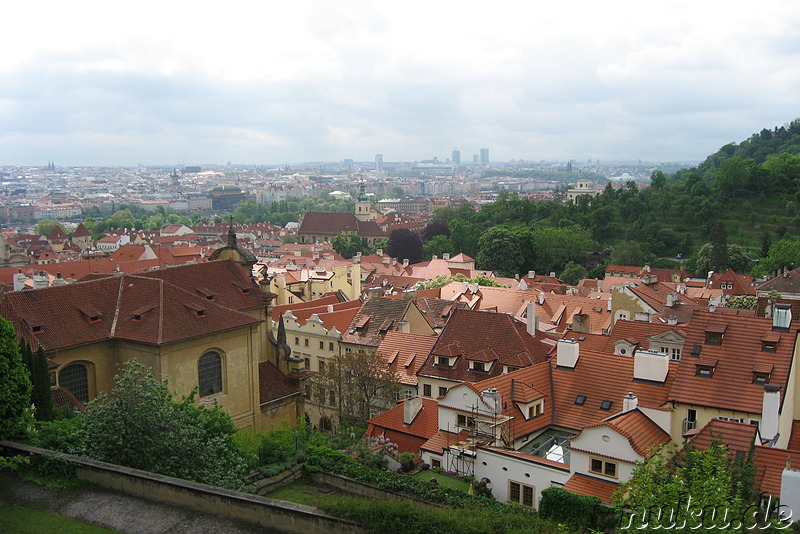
[(209, 372), (75, 378)]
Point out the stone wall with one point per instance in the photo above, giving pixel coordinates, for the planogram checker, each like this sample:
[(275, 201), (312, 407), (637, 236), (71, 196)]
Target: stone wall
[(272, 513)]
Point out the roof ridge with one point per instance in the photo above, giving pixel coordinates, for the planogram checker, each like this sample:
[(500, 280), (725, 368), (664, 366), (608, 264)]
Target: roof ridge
[(160, 310), (117, 307)]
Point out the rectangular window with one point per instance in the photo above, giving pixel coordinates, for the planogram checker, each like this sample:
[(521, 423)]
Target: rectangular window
[(296, 340), (321, 345), (330, 346), (443, 360), (442, 391), (603, 467), (713, 338), (478, 366), (675, 355), (321, 365), (521, 494), (426, 390), (464, 421), (436, 462), (332, 398), (307, 363), (305, 342)]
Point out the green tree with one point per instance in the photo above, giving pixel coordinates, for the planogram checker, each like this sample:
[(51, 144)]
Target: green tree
[(41, 397), (718, 258), (573, 273), (405, 245), (743, 302), (629, 253), (15, 386), (437, 246), (45, 227), (685, 484), (500, 251), (658, 180), (464, 236), (122, 219), (349, 244), (738, 260), (782, 253), (137, 424)]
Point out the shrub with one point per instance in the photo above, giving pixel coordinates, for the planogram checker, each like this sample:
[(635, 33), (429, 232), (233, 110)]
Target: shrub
[(406, 460), (577, 511)]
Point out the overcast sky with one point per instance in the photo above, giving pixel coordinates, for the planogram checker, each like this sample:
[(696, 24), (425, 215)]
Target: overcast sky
[(112, 83)]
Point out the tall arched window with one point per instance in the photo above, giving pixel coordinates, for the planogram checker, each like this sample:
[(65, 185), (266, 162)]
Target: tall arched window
[(75, 378), (209, 372)]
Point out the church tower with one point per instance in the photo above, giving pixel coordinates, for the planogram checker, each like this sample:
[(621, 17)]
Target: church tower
[(363, 212)]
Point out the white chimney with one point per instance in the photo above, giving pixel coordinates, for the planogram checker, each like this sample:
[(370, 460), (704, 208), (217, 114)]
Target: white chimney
[(446, 256), (531, 274), (552, 274), (379, 252), (464, 287), (434, 257), (567, 353), (40, 280), (19, 281), (608, 306), (782, 317), (541, 298), (59, 281), (533, 320), (769, 412), (297, 252), (330, 308), (411, 408), (650, 365), (405, 263), (629, 402), (315, 255), (493, 399), (672, 299)]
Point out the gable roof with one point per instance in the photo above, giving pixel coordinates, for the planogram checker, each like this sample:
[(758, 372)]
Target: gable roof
[(468, 333), (376, 317), (129, 307), (643, 434), (338, 223), (273, 384), (405, 353), (581, 484), (731, 386)]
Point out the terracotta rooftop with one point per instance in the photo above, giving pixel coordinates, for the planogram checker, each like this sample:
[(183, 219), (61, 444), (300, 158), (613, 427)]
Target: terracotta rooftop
[(738, 437), (642, 433), (581, 484), (405, 353), (336, 223), (731, 386), (424, 425), (468, 333), (376, 317), (273, 384)]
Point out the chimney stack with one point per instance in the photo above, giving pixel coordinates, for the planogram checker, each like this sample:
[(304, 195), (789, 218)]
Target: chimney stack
[(446, 256), (405, 263), (770, 408), (650, 365), (567, 353), (782, 317), (493, 400), (629, 402), (533, 320), (531, 274), (411, 408)]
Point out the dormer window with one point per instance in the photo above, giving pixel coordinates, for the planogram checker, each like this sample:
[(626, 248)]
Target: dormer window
[(769, 341), (442, 360), (536, 410), (478, 366), (705, 367), (36, 328), (199, 311), (714, 333), (139, 313), (760, 378), (207, 293), (91, 313)]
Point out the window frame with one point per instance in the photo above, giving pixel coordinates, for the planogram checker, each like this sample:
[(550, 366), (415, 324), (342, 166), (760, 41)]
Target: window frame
[(217, 385)]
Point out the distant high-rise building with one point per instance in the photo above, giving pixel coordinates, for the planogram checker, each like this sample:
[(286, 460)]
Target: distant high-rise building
[(474, 158), (348, 163), (379, 163), (484, 155), (456, 156)]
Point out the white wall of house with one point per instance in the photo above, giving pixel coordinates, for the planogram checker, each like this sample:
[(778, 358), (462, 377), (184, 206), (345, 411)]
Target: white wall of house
[(606, 445), (501, 469)]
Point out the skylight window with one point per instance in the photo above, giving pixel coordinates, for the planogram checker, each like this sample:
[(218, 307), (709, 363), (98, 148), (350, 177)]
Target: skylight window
[(606, 405), (580, 400)]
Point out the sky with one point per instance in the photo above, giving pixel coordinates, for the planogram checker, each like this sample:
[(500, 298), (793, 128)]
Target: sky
[(266, 82)]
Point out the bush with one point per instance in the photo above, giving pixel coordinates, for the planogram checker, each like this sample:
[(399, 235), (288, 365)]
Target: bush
[(406, 460), (577, 511)]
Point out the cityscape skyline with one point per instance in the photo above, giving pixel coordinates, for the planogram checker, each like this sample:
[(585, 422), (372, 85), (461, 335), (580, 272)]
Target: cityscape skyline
[(158, 83)]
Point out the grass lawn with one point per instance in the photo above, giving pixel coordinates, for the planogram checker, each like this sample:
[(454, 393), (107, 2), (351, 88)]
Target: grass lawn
[(444, 480), (21, 520), (304, 492)]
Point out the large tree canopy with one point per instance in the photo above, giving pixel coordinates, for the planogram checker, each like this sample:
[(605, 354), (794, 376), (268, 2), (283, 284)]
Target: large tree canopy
[(405, 245), (15, 386)]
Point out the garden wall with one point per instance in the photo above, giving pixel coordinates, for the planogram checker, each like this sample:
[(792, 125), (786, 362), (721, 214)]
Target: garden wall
[(280, 515)]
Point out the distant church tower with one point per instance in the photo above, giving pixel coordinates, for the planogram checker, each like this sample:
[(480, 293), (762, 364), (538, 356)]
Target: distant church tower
[(363, 212)]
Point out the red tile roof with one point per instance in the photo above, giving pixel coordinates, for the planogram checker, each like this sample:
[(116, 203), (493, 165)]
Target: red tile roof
[(405, 353), (731, 386), (273, 384), (738, 437), (424, 425), (376, 317), (468, 333), (642, 433), (581, 484)]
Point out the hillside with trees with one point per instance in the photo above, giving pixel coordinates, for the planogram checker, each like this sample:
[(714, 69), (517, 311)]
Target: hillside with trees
[(740, 208)]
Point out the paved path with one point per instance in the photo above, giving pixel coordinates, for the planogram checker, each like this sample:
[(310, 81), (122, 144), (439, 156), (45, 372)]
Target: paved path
[(117, 511)]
